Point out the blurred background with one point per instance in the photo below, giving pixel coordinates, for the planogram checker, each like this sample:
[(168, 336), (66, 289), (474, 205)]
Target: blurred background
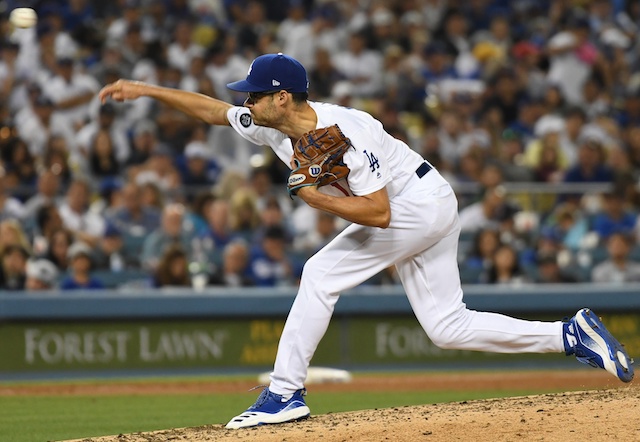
[(531, 109)]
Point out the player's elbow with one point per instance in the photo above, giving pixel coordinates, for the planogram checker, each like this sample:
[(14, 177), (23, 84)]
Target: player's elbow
[(383, 219)]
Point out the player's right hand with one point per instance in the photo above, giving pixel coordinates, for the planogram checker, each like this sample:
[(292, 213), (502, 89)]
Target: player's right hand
[(121, 90)]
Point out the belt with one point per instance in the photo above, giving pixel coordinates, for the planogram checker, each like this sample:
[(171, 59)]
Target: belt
[(423, 169)]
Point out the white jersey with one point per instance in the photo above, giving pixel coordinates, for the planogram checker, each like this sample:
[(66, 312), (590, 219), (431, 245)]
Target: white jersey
[(421, 242), (377, 160)]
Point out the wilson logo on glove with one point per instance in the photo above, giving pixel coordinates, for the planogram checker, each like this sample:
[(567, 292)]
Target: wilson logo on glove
[(318, 158), (315, 170), (296, 179)]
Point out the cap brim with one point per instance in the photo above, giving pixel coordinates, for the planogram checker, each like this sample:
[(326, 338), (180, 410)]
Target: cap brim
[(244, 86)]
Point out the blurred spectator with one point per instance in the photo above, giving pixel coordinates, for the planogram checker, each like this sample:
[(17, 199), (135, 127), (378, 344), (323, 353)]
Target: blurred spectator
[(59, 242), (129, 15), (132, 45), (105, 123), (196, 78), (295, 35), (575, 120), (19, 161), (484, 213), (323, 75), (271, 216), (618, 268), (46, 221), (527, 57), (47, 192), (324, 230), (509, 158), (56, 159), (505, 268), (10, 207), (225, 65), (217, 233), (172, 269), (161, 169), (591, 166), (171, 232), (529, 112), (181, 50), (595, 100), (629, 114), (544, 155), (197, 168), (12, 234), (480, 256), (41, 274), (261, 181), (234, 269), (152, 194), (572, 57), (244, 216), (110, 253), (507, 95), (614, 217), (553, 100), (450, 132), (13, 267), (567, 225), (79, 275), (361, 66), (145, 141), (269, 264), (134, 218), (71, 90), (102, 157), (86, 225), (550, 272)]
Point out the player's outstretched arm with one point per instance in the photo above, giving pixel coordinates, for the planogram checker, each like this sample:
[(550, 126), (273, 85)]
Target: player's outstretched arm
[(200, 106)]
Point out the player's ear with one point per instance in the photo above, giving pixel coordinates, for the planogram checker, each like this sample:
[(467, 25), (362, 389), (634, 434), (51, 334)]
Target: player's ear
[(283, 96)]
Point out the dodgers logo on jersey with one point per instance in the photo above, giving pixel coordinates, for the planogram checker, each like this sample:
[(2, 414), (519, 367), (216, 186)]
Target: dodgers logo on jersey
[(296, 179), (245, 120), (314, 170)]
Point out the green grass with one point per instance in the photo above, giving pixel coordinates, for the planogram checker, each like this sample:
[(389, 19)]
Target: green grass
[(46, 418)]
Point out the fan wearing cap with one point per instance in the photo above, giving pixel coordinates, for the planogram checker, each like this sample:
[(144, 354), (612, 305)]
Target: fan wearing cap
[(197, 168), (80, 266), (403, 214), (42, 274)]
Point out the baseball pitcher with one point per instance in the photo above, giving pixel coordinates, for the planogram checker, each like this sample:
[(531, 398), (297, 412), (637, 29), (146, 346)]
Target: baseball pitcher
[(403, 213)]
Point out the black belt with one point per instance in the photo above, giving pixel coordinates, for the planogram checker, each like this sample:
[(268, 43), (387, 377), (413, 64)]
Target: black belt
[(423, 169)]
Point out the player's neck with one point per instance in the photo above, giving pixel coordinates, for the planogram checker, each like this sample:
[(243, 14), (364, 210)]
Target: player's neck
[(300, 119)]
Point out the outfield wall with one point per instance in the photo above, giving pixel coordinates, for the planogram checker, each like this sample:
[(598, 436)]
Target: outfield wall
[(221, 330)]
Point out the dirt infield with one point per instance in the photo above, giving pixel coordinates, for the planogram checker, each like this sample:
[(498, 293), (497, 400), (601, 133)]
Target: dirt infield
[(604, 407)]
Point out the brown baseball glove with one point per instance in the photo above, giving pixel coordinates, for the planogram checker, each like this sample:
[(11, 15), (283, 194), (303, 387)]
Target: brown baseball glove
[(317, 157)]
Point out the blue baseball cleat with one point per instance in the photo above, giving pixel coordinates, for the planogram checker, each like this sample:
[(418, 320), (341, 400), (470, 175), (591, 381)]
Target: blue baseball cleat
[(272, 408), (586, 337)]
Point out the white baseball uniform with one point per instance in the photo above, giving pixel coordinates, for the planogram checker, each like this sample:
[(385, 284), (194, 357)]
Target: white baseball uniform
[(421, 241)]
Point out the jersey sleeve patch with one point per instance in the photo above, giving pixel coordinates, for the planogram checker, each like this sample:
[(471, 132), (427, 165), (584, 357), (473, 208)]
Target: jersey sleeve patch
[(245, 120)]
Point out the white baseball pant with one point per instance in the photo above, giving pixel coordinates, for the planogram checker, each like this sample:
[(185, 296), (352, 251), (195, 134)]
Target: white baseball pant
[(422, 242)]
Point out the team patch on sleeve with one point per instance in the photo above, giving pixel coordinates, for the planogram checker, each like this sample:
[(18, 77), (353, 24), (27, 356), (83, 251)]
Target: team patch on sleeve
[(245, 120)]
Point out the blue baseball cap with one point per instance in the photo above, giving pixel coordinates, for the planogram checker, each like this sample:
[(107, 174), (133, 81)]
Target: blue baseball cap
[(273, 72)]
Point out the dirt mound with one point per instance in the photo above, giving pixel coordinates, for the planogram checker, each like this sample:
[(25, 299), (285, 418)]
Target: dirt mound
[(602, 414)]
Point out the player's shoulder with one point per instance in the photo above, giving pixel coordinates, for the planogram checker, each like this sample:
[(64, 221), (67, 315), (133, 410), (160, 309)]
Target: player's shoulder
[(349, 119)]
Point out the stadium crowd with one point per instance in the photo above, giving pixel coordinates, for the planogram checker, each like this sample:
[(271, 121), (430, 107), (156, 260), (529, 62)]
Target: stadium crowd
[(545, 93)]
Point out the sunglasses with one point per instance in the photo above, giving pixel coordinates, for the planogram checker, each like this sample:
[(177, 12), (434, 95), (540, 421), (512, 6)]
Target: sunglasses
[(254, 97)]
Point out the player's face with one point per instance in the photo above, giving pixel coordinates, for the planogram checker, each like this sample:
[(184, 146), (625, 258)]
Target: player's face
[(262, 107)]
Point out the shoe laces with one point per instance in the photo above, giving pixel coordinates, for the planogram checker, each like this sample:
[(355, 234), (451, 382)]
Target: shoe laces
[(264, 395)]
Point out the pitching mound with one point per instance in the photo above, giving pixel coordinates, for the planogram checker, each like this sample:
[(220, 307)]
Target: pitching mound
[(610, 414)]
